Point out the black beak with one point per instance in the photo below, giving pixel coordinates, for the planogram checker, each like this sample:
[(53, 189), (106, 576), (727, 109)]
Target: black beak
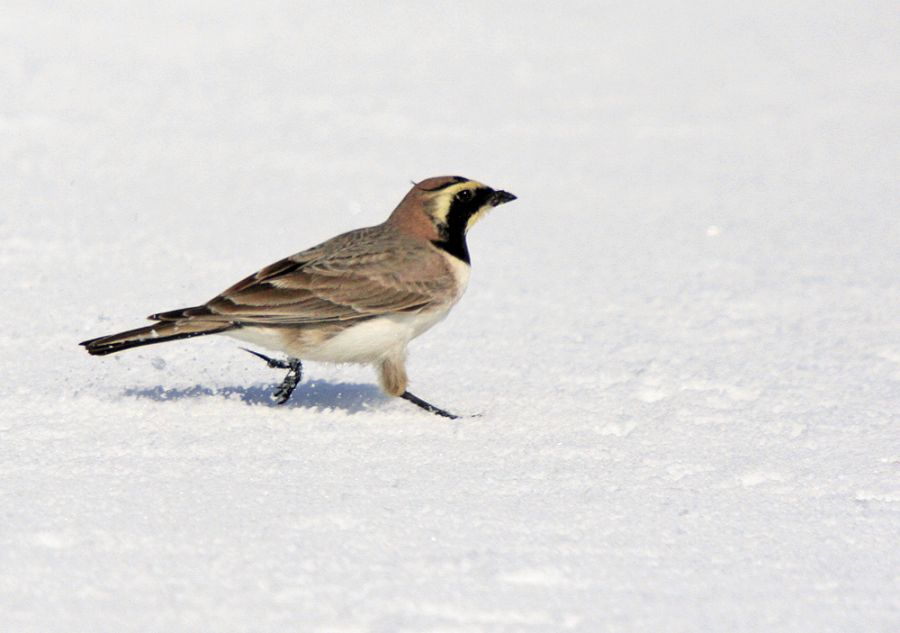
[(501, 197)]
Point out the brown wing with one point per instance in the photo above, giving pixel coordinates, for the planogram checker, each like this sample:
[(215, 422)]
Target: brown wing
[(357, 275)]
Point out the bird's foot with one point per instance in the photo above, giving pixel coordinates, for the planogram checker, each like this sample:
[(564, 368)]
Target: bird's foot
[(290, 382)]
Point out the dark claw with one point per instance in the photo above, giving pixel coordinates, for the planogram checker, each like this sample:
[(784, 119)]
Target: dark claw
[(290, 382)]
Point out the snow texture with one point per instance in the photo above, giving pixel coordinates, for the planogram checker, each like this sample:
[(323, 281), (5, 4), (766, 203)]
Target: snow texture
[(683, 339)]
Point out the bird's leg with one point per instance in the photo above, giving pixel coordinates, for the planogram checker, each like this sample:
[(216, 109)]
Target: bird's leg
[(290, 382), (425, 405)]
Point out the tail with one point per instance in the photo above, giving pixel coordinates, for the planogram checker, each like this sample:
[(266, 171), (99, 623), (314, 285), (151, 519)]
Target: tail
[(152, 334)]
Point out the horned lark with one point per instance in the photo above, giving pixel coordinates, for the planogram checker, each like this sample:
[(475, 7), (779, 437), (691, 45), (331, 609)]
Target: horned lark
[(360, 297)]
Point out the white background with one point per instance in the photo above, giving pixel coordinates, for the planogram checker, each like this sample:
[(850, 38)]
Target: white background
[(683, 338)]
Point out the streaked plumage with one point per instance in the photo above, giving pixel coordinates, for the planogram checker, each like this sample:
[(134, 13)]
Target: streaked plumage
[(359, 297)]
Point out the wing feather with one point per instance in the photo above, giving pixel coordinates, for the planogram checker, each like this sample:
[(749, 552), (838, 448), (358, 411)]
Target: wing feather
[(356, 275)]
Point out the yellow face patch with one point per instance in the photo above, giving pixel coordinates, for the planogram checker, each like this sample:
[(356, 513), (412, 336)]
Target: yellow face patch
[(483, 211)]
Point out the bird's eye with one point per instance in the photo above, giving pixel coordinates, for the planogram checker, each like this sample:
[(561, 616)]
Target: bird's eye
[(465, 195)]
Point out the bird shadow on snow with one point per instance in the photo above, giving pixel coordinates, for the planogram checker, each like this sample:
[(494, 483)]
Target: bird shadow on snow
[(349, 397)]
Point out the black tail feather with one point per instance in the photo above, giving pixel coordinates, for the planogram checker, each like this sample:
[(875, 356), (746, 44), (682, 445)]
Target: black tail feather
[(150, 335)]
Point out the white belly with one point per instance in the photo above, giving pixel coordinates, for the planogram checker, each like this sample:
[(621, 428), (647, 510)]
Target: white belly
[(365, 342), (375, 339)]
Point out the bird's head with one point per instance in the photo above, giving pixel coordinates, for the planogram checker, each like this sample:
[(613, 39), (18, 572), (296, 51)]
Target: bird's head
[(443, 209)]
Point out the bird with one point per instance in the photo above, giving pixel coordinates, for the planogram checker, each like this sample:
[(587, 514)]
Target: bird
[(359, 297)]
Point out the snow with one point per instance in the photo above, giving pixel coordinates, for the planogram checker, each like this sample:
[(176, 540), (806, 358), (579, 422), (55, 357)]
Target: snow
[(683, 339)]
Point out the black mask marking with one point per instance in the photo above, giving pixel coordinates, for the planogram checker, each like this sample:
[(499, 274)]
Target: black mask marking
[(453, 233)]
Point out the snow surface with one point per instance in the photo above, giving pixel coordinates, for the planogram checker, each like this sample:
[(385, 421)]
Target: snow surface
[(683, 339)]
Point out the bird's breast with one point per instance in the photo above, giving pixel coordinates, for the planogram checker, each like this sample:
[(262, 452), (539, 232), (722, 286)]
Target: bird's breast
[(460, 272)]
